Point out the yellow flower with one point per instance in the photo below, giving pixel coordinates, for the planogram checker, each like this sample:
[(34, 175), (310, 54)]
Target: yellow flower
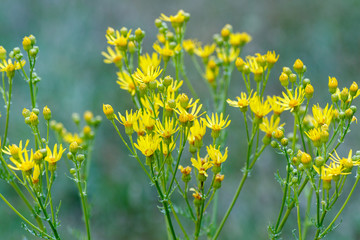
[(119, 40), (234, 53), (255, 67), (292, 101), (54, 156), (322, 116), (259, 107), (239, 39), (315, 136), (271, 58), (270, 126), (147, 119), (242, 102), (126, 83), (147, 76), (201, 164), (146, 61), (216, 156), (14, 150), (147, 144), (69, 138), (170, 128), (189, 45), (9, 67), (129, 119), (178, 19), (347, 163), (198, 130), (36, 174), (189, 116), (216, 123), (139, 127), (206, 51), (275, 106), (166, 51), (185, 170), (113, 57), (23, 163)]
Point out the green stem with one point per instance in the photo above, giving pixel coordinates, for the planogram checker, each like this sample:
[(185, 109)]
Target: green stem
[(84, 203), (7, 113), (285, 191)]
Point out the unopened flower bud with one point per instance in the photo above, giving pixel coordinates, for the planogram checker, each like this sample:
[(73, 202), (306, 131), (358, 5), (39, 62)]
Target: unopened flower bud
[(33, 119), (354, 89), (26, 43), (80, 157), (47, 113)]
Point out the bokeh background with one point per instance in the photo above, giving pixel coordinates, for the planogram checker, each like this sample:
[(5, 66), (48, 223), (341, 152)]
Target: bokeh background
[(71, 36)]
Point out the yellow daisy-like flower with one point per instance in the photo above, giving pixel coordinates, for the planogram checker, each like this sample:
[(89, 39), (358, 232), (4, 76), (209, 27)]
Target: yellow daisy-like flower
[(179, 18), (175, 86), (347, 163), (118, 40), (125, 82), (292, 101), (198, 130), (217, 123), (275, 106), (146, 61), (189, 45), (166, 51), (242, 102), (139, 127), (201, 164), (206, 51), (216, 156), (315, 136), (255, 67), (234, 53), (113, 57), (54, 156), (69, 138), (14, 150), (189, 116), (268, 127), (23, 163), (147, 76), (9, 67), (148, 144), (239, 39), (271, 58), (259, 107), (322, 116), (170, 128), (147, 119), (129, 119)]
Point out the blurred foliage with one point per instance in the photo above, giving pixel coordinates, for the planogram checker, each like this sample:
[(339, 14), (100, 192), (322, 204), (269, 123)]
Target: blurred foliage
[(71, 36)]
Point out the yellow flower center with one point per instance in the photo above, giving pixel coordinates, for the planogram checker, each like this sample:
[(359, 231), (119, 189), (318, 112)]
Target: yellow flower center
[(293, 103)]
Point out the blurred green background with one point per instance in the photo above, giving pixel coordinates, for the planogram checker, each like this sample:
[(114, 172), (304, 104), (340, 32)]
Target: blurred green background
[(71, 36)]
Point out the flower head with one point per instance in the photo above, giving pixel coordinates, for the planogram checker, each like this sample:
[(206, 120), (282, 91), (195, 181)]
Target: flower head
[(259, 107), (53, 156), (242, 102), (322, 116), (148, 144), (206, 51), (113, 57), (14, 150), (217, 123), (147, 76), (292, 101), (24, 162), (270, 126), (126, 83), (216, 156), (201, 164)]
